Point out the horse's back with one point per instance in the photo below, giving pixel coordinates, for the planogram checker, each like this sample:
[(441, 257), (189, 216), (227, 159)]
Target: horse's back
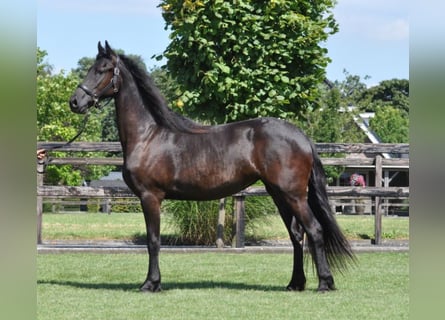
[(277, 135)]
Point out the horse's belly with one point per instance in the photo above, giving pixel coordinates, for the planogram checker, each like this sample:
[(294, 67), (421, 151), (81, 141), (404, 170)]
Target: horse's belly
[(209, 191)]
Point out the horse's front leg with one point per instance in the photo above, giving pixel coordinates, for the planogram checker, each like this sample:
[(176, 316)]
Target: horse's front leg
[(151, 207)]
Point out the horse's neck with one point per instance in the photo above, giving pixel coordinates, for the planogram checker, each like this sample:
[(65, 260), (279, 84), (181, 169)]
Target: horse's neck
[(133, 120)]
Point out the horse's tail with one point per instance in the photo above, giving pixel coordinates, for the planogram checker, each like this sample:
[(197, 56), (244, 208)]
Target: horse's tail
[(338, 250)]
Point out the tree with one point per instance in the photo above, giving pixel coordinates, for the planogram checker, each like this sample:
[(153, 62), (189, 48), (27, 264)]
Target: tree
[(351, 89), (390, 125), (389, 100), (43, 67), (55, 121), (394, 93), (331, 122), (242, 59), (168, 86)]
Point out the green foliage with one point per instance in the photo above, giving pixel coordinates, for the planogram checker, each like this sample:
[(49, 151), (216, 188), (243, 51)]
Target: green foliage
[(55, 121), (351, 89), (43, 67), (126, 205), (244, 59), (391, 125), (168, 86), (63, 175), (197, 221), (392, 93), (389, 100), (332, 122), (83, 65)]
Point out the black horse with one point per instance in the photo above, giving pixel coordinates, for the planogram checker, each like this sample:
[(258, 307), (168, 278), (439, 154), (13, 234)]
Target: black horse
[(168, 156)]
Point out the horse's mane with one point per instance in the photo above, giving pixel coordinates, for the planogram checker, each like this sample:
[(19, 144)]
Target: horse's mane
[(155, 103)]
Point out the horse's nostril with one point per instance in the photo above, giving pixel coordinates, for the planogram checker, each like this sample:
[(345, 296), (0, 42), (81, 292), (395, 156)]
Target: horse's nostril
[(73, 102)]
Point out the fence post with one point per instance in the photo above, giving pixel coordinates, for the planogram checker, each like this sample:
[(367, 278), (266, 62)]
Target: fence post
[(40, 172), (239, 221), (385, 180), (220, 226), (378, 207), (105, 206)]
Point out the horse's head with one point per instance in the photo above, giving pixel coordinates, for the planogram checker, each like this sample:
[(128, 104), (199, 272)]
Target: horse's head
[(102, 81)]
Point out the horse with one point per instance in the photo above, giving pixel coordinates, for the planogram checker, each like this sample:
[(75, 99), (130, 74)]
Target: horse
[(169, 156)]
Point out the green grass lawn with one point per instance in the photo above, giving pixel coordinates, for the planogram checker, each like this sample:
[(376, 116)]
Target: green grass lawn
[(130, 226), (216, 286), (354, 227)]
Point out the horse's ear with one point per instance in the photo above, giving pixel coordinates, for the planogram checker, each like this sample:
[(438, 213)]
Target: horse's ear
[(108, 49), (101, 50)]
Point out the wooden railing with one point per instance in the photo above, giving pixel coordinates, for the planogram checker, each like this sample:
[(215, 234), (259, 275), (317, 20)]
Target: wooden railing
[(376, 193)]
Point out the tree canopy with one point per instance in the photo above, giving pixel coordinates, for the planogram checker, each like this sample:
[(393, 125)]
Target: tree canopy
[(392, 93), (391, 125), (242, 59)]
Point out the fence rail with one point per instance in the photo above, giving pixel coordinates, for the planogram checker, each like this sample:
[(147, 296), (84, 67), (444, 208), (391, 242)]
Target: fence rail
[(124, 192), (377, 192), (117, 161), (368, 148)]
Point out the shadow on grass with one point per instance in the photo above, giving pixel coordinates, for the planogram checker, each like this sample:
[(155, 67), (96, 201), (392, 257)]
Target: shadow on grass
[(169, 240), (93, 286), (166, 286)]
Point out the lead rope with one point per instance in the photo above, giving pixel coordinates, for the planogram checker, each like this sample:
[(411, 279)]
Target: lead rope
[(82, 128)]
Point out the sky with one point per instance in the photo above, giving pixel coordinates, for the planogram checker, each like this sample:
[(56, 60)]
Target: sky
[(373, 39)]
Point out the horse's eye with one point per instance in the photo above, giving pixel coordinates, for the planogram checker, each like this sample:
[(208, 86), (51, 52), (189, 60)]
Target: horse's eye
[(102, 68)]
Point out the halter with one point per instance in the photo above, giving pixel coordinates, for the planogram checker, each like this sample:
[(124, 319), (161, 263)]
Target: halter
[(112, 84)]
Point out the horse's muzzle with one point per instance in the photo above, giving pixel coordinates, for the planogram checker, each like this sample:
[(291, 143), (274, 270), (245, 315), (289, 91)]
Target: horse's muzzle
[(78, 107)]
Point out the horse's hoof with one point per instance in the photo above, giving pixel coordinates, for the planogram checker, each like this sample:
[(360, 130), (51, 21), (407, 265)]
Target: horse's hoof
[(150, 287), (326, 288), (295, 288)]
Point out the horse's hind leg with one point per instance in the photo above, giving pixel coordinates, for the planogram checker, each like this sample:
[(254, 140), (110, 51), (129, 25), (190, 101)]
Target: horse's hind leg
[(298, 280), (295, 211), (314, 231)]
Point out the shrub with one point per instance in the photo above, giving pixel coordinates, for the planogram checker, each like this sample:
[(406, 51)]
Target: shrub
[(196, 221), (126, 205)]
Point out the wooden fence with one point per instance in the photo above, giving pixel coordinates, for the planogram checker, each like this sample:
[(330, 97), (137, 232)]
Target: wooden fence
[(374, 161)]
